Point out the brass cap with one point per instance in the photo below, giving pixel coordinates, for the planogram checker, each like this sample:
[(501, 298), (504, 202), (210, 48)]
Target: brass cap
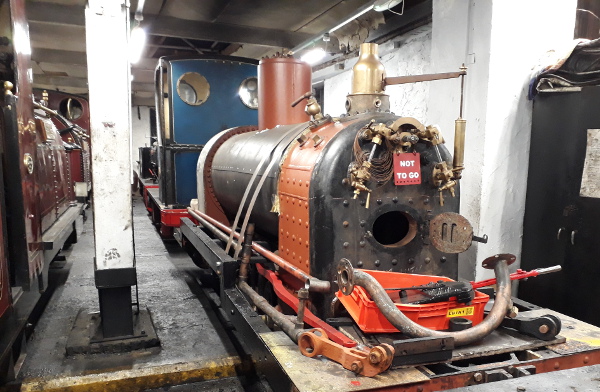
[(368, 74), (7, 87)]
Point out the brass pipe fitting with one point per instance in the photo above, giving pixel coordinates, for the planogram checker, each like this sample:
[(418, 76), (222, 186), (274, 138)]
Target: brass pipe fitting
[(460, 126)]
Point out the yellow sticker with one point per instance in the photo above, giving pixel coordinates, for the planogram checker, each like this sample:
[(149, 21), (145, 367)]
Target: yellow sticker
[(461, 312)]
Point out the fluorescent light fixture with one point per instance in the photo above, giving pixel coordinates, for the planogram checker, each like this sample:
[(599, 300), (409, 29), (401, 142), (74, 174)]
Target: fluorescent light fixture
[(385, 5), (313, 56), (137, 40), (350, 19)]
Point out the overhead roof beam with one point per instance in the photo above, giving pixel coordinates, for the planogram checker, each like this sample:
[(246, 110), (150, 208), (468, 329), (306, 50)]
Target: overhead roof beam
[(174, 27), (55, 13), (41, 55), (61, 81), (180, 28)]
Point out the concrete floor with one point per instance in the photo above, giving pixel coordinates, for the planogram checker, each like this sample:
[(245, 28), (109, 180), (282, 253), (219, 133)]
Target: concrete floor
[(188, 329)]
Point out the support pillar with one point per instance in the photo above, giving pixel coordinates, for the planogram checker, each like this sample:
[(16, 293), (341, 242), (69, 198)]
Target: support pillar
[(107, 38), (118, 327)]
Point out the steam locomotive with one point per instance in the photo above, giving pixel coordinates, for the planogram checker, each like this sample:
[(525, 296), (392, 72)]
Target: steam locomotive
[(39, 213), (350, 226), (325, 190)]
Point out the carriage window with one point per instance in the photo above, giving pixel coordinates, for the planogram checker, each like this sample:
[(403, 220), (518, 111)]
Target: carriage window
[(249, 92), (193, 88)]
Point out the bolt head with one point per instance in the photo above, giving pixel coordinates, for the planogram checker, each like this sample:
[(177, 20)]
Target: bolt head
[(375, 357), (478, 377), (356, 367), (543, 328)]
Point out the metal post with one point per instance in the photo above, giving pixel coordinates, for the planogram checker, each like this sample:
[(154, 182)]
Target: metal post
[(107, 37)]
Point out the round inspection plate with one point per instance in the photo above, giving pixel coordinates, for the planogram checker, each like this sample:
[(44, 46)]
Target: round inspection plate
[(450, 232), (491, 261)]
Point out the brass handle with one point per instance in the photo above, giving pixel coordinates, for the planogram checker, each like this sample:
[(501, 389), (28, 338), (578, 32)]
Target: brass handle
[(573, 237), (560, 230), (306, 95)]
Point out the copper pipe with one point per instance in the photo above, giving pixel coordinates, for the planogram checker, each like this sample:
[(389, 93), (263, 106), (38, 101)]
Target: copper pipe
[(316, 285), (279, 318), (212, 228), (423, 78), (502, 303)]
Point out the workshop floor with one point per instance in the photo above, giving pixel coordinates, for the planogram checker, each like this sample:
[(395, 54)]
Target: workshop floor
[(193, 344)]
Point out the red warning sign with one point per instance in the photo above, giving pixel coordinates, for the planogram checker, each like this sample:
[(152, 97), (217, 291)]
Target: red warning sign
[(407, 168)]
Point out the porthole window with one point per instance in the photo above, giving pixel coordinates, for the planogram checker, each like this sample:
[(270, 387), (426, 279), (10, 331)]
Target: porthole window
[(193, 88), (70, 108), (249, 92)]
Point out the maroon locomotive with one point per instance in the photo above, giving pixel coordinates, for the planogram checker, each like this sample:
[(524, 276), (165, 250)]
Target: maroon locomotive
[(73, 123), (39, 214)]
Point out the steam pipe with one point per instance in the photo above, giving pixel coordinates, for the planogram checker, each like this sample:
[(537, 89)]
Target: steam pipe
[(246, 252), (315, 285), (212, 228), (348, 277), (279, 318)]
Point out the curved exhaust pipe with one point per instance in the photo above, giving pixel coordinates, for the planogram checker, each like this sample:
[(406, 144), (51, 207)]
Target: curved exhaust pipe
[(348, 277)]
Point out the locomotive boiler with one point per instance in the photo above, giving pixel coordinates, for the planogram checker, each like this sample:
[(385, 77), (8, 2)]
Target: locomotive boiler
[(371, 187)]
